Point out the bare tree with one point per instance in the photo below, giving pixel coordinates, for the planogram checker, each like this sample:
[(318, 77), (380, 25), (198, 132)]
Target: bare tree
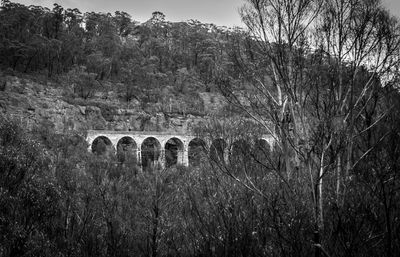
[(319, 65)]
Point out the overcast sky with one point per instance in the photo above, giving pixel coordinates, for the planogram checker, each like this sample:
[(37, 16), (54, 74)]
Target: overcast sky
[(219, 12)]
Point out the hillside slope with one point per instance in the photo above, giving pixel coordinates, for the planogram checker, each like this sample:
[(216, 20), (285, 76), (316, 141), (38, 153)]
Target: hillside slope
[(51, 104)]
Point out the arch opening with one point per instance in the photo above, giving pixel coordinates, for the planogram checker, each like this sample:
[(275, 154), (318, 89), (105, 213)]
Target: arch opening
[(150, 153), (127, 151), (103, 146), (196, 152), (239, 153), (217, 150), (262, 151), (174, 151)]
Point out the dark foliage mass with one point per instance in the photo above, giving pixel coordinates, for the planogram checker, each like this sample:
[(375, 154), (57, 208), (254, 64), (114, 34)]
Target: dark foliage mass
[(323, 85), (103, 46), (57, 199)]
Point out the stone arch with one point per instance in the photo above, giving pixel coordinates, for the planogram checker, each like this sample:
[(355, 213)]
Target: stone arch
[(196, 151), (239, 152), (102, 145), (262, 150), (127, 150), (151, 152), (217, 150), (174, 151)]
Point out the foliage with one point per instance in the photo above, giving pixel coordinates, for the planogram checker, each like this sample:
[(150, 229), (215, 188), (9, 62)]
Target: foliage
[(92, 47), (328, 186), (29, 197)]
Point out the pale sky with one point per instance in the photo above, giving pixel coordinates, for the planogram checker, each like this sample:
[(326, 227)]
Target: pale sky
[(219, 12)]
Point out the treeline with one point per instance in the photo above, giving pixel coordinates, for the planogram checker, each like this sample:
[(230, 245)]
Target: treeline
[(101, 46)]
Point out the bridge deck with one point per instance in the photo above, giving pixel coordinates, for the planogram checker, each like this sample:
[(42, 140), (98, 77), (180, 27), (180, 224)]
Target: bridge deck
[(135, 132)]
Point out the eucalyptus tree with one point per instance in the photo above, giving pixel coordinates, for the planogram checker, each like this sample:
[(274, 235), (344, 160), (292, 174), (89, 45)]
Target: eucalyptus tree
[(314, 68)]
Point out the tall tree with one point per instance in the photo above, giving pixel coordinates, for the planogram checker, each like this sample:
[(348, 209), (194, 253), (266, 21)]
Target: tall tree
[(323, 62)]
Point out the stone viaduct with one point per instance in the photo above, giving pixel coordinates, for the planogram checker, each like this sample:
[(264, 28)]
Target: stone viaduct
[(164, 148)]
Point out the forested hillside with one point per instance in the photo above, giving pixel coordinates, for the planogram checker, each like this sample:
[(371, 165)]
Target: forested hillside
[(114, 46), (142, 60), (114, 65), (319, 77)]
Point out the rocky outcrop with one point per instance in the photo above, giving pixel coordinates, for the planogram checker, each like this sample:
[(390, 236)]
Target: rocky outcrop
[(35, 103)]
